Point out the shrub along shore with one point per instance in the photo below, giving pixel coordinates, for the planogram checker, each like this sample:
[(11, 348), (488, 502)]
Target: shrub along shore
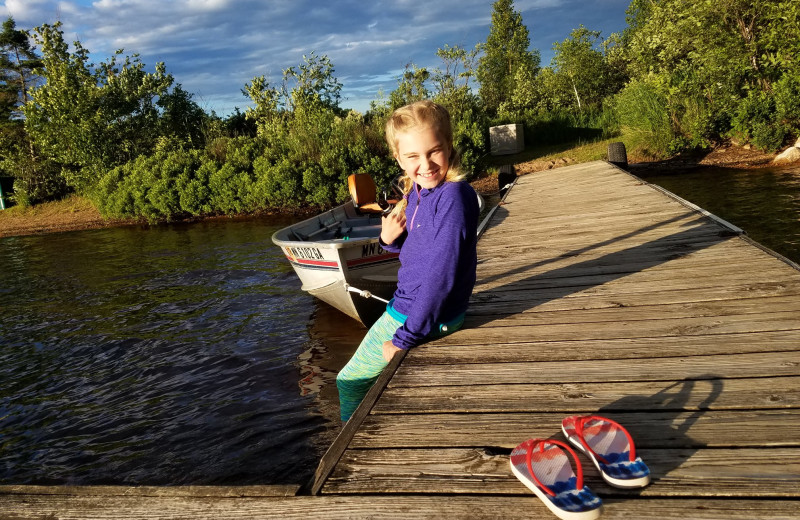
[(75, 213)]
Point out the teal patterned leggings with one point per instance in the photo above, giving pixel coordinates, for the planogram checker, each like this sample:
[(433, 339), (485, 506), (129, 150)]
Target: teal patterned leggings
[(363, 369)]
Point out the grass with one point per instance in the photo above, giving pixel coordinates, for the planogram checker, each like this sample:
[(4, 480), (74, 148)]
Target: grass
[(72, 212), (70, 204)]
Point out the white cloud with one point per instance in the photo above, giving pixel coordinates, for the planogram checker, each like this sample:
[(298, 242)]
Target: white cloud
[(27, 9)]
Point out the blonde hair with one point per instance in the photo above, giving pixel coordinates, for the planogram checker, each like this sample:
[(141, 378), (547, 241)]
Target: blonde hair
[(422, 114)]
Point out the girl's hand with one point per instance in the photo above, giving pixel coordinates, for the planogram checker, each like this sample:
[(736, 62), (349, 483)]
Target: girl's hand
[(389, 350), (392, 226)]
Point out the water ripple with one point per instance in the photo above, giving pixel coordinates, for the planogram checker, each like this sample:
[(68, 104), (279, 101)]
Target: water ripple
[(159, 356)]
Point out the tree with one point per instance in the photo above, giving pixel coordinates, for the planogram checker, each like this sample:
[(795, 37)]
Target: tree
[(459, 64), (505, 51), (717, 63), (582, 65), (17, 62), (181, 118), (411, 87), (313, 84), (91, 118)]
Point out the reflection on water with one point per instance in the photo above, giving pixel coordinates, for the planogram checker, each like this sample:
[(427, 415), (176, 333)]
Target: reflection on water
[(763, 202), (169, 355)]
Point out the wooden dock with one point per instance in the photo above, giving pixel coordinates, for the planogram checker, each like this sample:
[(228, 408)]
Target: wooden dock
[(597, 293)]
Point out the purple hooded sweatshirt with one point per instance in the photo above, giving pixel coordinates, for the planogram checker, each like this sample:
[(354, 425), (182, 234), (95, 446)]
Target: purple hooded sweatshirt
[(437, 259)]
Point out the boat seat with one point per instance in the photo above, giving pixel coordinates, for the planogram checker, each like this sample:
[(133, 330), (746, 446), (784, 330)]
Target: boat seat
[(365, 195)]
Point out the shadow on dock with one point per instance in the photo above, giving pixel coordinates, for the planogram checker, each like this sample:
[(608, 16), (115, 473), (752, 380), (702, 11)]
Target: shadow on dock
[(613, 266), (665, 419)]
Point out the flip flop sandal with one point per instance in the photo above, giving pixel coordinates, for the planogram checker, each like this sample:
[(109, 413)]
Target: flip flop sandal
[(553, 480), (610, 447)]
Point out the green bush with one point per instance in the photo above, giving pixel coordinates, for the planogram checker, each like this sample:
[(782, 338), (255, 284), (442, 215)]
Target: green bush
[(787, 102), (643, 111), (280, 183), (36, 182), (564, 125), (756, 121), (149, 186)]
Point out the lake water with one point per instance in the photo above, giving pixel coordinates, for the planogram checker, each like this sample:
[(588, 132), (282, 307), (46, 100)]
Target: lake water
[(765, 202), (187, 354), (181, 354)]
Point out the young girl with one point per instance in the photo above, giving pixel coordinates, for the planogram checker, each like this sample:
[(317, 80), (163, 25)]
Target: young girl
[(434, 229)]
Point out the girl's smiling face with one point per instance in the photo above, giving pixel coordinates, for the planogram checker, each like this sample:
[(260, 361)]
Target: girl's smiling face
[(423, 155)]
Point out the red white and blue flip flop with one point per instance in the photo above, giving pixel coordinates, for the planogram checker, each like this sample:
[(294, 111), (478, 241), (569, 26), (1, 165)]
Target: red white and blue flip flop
[(544, 467), (610, 447)]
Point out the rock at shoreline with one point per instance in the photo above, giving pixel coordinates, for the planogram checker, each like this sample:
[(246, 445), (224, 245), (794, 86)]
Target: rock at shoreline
[(790, 155)]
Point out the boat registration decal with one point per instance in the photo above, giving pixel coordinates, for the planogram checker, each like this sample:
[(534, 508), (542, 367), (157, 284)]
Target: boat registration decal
[(303, 253), (309, 257), (371, 249)]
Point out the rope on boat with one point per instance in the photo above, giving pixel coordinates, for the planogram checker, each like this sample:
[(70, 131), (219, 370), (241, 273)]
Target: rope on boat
[(364, 294)]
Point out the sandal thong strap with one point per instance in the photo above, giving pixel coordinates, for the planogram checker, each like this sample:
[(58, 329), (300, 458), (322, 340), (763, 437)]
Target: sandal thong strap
[(540, 443), (581, 422)]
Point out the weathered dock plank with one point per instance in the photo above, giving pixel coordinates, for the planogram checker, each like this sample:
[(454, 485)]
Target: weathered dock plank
[(573, 398), (534, 349), (134, 507), (683, 472), (650, 429)]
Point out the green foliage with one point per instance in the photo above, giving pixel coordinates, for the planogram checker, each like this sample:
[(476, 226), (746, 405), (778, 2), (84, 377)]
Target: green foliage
[(89, 118), (682, 75), (304, 151), (756, 121), (787, 102), (410, 87), (505, 51), (722, 65), (642, 110), (459, 65), (148, 186), (582, 65), (559, 126), (18, 60), (182, 118), (36, 180)]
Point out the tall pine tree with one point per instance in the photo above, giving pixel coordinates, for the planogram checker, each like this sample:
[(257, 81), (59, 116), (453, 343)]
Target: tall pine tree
[(504, 53), (17, 61), (17, 152)]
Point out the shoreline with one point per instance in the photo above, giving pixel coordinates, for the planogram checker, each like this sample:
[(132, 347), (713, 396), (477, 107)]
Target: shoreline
[(78, 214)]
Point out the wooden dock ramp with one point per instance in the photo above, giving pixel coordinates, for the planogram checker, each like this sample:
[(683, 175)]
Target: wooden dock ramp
[(597, 293)]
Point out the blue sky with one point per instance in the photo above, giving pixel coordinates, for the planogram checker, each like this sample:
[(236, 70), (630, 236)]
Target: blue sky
[(214, 47)]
